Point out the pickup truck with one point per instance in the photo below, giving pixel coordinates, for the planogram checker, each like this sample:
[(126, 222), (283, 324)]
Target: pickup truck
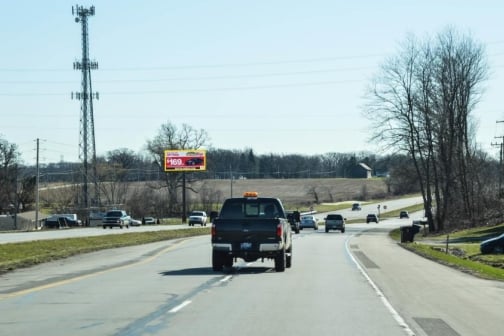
[(251, 228), (116, 218), (198, 217)]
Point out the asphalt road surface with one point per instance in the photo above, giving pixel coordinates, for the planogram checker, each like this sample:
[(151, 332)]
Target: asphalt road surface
[(357, 283)]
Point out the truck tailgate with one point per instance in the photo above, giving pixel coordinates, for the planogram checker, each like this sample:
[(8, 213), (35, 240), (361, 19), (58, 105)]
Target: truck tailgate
[(245, 233)]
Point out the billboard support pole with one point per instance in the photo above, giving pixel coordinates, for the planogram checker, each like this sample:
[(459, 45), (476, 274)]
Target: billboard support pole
[(184, 217)]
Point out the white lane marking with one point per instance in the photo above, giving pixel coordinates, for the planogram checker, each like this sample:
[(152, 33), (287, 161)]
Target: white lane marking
[(380, 294), (180, 306), (226, 278)]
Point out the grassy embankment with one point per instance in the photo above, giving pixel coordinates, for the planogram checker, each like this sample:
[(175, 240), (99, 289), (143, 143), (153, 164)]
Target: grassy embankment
[(463, 255), (25, 254)]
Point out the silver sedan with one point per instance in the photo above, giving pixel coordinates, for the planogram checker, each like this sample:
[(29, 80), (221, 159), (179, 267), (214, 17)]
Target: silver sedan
[(308, 221)]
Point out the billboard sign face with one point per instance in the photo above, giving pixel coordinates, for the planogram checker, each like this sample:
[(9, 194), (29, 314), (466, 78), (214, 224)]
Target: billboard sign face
[(185, 160)]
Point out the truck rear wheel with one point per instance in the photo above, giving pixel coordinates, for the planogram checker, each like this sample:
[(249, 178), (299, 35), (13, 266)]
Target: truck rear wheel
[(217, 261), (288, 259), (280, 261)]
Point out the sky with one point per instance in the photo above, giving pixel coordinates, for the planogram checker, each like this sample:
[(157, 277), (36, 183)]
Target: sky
[(274, 76)]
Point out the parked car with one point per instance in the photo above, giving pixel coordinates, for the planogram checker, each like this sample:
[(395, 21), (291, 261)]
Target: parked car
[(356, 207), (61, 221), (335, 222), (135, 222), (493, 245), (198, 217), (372, 218), (148, 220), (404, 214), (308, 221)]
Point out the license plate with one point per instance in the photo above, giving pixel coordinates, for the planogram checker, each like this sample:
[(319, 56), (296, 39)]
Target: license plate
[(246, 246)]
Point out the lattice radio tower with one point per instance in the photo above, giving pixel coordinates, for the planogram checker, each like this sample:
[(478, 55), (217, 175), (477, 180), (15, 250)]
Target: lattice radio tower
[(87, 147)]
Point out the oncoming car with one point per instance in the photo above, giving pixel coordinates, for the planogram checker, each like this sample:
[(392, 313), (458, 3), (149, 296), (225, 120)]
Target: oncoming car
[(308, 221), (198, 217)]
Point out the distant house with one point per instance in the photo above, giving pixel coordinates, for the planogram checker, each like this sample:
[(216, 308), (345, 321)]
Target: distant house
[(361, 171)]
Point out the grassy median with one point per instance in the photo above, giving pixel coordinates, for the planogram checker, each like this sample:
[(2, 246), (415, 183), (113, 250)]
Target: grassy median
[(25, 254)]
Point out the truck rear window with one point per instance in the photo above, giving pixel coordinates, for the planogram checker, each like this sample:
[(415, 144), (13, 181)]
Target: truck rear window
[(114, 214), (241, 208)]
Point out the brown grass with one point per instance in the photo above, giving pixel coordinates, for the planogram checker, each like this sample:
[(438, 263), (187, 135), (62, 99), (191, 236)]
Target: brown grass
[(303, 191)]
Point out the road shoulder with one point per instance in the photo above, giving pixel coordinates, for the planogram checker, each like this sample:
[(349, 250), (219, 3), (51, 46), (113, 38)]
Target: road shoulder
[(432, 298)]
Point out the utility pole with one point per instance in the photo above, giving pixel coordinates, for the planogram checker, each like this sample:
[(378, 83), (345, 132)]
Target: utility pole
[(501, 145), (87, 146), (37, 193)]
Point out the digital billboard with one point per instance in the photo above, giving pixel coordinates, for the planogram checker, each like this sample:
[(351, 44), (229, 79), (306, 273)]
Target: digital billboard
[(185, 160)]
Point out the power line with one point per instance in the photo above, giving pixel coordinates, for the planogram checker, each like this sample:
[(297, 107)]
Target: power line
[(242, 76)]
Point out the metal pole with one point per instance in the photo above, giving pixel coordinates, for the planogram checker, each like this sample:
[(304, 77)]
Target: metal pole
[(231, 180), (184, 217), (37, 191)]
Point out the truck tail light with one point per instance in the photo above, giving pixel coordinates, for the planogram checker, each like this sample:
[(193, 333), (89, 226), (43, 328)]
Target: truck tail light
[(279, 231), (214, 230)]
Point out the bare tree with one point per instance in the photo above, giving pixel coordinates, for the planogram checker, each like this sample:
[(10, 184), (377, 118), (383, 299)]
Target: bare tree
[(115, 173), (420, 104), (9, 175), (171, 137)]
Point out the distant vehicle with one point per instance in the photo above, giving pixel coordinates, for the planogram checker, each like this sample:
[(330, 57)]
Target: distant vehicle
[(372, 218), (293, 217), (404, 214), (116, 218), (493, 245), (59, 221), (148, 220), (135, 222), (62, 220), (356, 207), (213, 215), (198, 217), (335, 222), (308, 221)]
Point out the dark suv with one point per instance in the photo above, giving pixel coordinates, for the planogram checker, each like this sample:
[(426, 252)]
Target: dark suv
[(335, 222), (294, 218), (372, 218)]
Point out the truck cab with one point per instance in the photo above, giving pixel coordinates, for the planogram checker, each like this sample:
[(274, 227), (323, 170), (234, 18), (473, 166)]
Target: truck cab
[(251, 228)]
